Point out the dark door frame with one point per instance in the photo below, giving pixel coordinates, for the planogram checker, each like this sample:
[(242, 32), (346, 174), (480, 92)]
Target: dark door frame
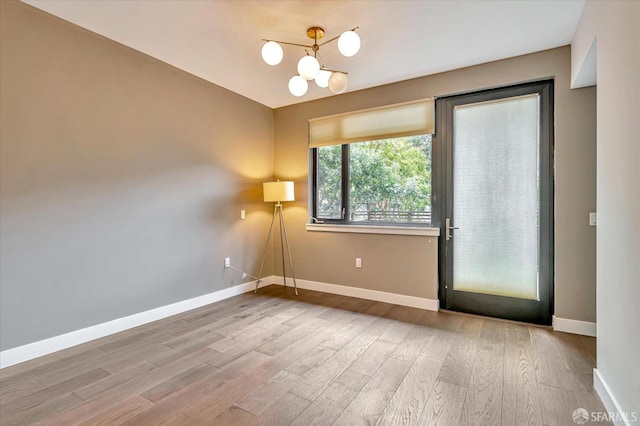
[(538, 312)]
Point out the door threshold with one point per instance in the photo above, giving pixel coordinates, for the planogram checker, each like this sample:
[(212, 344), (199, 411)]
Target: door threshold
[(530, 324)]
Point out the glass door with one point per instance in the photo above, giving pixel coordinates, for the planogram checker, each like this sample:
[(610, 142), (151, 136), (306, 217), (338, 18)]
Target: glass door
[(497, 222)]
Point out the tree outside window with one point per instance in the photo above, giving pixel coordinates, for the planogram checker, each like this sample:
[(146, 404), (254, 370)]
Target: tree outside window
[(389, 180)]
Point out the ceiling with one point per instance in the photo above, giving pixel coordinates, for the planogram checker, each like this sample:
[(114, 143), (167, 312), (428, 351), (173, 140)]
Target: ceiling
[(220, 40)]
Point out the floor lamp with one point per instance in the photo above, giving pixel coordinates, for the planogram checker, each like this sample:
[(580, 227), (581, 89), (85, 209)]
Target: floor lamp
[(276, 192)]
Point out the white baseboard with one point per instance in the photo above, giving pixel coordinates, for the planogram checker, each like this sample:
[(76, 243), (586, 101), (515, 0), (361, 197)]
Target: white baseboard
[(40, 348), (573, 326), (615, 413), (362, 293)]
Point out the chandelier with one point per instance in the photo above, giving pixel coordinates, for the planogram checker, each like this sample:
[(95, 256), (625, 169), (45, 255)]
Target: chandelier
[(310, 66)]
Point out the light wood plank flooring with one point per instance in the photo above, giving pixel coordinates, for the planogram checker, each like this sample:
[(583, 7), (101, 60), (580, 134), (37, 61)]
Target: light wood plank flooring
[(316, 359)]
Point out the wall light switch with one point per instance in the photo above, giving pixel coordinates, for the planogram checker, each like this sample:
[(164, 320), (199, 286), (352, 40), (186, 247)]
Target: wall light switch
[(358, 262), (243, 214), (593, 219)]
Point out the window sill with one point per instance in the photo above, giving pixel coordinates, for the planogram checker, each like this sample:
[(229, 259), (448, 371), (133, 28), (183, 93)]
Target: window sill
[(374, 229)]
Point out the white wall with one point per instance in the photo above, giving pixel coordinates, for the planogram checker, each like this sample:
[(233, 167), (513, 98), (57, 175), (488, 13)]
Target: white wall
[(615, 27)]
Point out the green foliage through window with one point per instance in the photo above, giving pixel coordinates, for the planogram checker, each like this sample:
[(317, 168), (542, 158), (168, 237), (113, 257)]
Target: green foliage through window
[(329, 196), (389, 180)]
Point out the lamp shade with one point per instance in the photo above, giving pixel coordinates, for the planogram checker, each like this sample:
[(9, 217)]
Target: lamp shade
[(278, 191)]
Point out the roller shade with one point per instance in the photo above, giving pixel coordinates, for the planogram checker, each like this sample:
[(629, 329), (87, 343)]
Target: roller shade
[(391, 121)]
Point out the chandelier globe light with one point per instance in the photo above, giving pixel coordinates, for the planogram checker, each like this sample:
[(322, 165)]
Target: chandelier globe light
[(272, 53), (322, 79), (311, 66), (308, 67), (298, 86), (349, 43), (338, 82)]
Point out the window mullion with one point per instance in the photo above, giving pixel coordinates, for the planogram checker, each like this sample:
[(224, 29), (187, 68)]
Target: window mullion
[(314, 182), (346, 208)]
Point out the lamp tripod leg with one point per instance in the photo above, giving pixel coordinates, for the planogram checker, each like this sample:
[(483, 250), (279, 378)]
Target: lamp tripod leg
[(266, 246), (286, 239), (284, 271)]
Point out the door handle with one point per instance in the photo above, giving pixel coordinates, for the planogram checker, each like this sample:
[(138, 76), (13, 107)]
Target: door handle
[(448, 228)]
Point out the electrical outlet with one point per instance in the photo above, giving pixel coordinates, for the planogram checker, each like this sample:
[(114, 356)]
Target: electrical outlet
[(243, 214), (358, 263), (227, 262)]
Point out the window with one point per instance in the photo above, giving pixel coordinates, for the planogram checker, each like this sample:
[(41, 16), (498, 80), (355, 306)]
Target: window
[(373, 166), (381, 181)]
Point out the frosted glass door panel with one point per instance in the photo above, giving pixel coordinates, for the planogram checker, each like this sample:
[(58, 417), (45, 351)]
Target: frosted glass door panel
[(496, 197)]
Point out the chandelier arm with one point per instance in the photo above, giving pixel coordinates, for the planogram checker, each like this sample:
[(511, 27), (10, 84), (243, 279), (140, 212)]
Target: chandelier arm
[(319, 58), (336, 37), (290, 44), (329, 41), (341, 72)]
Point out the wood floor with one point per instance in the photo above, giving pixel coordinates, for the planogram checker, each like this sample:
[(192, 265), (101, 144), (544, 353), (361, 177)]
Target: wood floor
[(315, 359)]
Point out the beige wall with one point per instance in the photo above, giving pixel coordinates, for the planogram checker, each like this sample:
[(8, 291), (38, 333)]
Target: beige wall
[(122, 180), (614, 25), (407, 265)]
